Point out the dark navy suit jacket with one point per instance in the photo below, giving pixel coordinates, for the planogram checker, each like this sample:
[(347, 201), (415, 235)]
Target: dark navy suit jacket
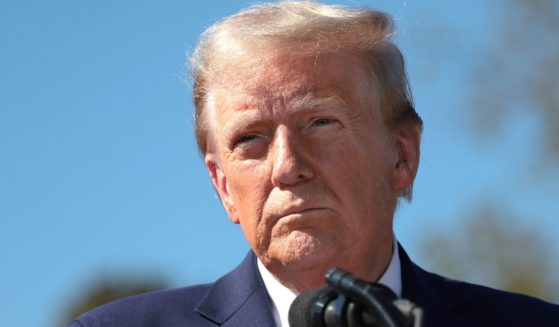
[(240, 299)]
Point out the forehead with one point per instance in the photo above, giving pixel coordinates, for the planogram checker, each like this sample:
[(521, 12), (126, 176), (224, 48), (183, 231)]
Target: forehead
[(285, 76)]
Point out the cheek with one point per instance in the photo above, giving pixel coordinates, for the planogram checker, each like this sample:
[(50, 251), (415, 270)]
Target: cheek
[(345, 162), (359, 172), (250, 191), (248, 187)]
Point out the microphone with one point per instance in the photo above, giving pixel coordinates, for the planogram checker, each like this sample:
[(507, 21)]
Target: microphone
[(352, 302), (308, 309)]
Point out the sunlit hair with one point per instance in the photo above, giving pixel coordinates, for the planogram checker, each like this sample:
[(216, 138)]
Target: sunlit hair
[(238, 42)]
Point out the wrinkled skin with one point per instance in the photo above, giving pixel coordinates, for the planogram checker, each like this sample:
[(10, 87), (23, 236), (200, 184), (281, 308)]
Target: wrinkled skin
[(305, 164)]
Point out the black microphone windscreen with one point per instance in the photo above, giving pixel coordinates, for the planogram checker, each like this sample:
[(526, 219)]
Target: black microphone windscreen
[(301, 310)]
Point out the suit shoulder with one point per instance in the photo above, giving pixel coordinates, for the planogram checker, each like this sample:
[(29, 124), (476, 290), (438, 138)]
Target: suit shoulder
[(160, 308), (494, 296), (449, 302), (496, 302)]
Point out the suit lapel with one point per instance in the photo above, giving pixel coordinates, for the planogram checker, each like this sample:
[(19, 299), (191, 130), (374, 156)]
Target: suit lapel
[(415, 283), (238, 298), (430, 292)]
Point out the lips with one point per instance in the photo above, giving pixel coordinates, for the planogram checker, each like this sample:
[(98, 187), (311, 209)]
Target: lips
[(298, 210)]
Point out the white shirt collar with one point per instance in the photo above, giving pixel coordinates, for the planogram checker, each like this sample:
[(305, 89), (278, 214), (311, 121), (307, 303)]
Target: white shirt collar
[(392, 276), (282, 297)]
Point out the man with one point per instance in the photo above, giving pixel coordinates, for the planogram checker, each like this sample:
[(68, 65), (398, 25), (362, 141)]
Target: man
[(307, 128)]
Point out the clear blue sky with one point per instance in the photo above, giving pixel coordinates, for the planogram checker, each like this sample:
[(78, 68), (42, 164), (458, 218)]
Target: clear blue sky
[(99, 172)]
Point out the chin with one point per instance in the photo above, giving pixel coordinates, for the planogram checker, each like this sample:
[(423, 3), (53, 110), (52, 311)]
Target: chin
[(302, 250)]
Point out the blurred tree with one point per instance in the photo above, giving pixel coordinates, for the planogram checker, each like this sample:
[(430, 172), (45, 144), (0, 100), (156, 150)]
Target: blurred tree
[(107, 290), (491, 249), (514, 74), (518, 72)]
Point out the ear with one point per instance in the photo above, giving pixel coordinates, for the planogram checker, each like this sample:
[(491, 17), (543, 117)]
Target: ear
[(405, 169), (219, 181)]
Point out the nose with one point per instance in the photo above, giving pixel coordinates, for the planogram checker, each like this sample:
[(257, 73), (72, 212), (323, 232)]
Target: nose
[(290, 166)]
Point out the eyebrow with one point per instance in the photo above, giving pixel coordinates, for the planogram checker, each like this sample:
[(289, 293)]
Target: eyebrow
[(304, 103), (243, 120), (310, 102)]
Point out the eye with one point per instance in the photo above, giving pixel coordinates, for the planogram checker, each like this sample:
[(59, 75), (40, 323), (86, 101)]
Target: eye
[(323, 125), (245, 138), (322, 122)]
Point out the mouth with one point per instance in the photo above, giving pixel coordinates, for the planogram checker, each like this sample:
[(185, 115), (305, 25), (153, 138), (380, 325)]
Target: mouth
[(301, 212)]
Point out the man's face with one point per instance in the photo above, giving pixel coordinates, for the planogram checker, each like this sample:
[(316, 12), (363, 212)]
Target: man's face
[(304, 162)]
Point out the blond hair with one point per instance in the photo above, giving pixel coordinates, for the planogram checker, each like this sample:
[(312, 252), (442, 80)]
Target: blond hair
[(305, 27)]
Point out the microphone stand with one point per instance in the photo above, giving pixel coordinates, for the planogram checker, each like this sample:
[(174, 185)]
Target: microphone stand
[(375, 299)]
